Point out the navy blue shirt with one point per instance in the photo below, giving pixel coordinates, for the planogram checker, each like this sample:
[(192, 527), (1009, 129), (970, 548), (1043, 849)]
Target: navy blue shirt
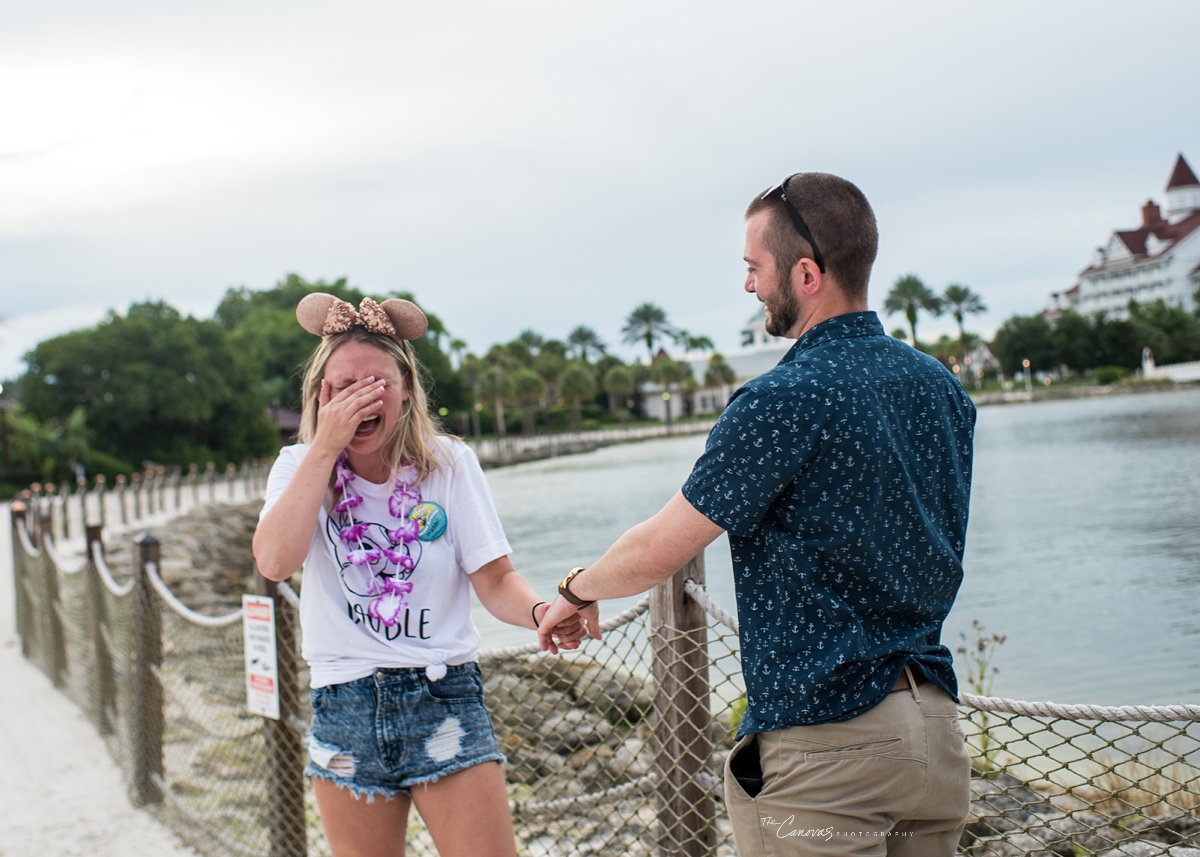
[(843, 478)]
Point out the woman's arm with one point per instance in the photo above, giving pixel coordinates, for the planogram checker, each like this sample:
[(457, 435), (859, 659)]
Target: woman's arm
[(509, 597), (506, 594), (285, 532)]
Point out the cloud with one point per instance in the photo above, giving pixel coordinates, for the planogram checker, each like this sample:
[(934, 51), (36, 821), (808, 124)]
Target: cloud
[(538, 164), (20, 335)]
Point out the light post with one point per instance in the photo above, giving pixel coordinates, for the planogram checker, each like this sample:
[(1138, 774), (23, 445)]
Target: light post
[(1028, 380)]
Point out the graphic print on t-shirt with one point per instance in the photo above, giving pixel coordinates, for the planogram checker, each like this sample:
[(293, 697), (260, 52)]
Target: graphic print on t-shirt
[(376, 564)]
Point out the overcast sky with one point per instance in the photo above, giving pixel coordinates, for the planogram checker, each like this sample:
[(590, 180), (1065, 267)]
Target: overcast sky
[(546, 164)]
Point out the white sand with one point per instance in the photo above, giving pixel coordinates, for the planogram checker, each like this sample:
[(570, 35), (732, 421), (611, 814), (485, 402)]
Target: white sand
[(61, 794)]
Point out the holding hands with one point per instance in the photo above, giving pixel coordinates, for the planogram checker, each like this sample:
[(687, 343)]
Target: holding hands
[(563, 626)]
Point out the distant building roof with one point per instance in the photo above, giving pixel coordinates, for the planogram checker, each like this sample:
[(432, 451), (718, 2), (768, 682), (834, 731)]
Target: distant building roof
[(288, 421), (1156, 237), (1182, 175)]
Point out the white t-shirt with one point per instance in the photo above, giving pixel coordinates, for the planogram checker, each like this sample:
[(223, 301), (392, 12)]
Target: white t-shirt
[(342, 641)]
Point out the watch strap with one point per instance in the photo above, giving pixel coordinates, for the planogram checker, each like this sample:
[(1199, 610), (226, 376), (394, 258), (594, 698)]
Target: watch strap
[(564, 589)]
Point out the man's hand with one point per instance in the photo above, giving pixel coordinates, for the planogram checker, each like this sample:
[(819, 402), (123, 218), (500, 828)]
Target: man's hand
[(572, 621)]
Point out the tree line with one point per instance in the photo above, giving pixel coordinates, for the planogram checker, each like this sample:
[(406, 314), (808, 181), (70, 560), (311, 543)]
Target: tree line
[(1069, 343), (154, 387)]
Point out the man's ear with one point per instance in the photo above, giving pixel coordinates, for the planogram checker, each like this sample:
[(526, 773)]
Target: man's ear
[(807, 276)]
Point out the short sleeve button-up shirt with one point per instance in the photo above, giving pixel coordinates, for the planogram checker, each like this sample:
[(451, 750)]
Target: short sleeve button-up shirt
[(842, 477)]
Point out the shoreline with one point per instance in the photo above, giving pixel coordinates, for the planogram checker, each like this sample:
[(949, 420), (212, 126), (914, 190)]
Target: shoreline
[(520, 449), (1051, 393)]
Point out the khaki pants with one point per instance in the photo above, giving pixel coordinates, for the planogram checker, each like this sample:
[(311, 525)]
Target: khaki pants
[(893, 781)]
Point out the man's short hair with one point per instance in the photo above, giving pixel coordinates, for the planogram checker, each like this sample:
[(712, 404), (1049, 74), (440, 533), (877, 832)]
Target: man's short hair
[(841, 222)]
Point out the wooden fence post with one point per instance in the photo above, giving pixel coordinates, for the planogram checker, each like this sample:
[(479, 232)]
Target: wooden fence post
[(679, 642), (194, 480), (81, 494), (160, 487), (103, 677), (20, 513), (284, 746), (147, 715), (121, 482), (135, 485), (56, 637), (101, 491)]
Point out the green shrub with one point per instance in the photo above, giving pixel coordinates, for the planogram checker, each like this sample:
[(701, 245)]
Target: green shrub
[(1105, 375)]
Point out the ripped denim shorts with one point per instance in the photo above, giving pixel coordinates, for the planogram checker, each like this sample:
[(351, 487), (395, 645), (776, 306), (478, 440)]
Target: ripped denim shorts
[(391, 730)]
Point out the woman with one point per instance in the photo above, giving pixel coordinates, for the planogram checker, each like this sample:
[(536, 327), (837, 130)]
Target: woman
[(390, 520)]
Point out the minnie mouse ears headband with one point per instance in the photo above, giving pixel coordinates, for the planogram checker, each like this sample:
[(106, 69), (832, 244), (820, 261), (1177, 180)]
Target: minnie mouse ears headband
[(323, 315)]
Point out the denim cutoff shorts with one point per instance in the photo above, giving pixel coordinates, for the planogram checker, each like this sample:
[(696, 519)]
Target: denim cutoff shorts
[(394, 729)]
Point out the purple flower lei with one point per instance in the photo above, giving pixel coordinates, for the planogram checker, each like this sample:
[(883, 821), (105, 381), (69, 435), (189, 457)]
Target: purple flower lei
[(389, 601)]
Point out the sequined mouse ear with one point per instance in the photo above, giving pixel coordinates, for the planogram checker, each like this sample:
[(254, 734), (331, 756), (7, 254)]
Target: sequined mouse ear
[(313, 310), (406, 316), (323, 315)]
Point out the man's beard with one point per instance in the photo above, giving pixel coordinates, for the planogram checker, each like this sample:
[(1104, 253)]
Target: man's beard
[(783, 310)]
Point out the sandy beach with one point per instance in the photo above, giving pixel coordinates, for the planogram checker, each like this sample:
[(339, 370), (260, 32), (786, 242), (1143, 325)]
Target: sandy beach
[(62, 794)]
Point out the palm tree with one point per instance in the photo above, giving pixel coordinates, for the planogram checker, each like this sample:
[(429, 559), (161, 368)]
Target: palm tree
[(550, 365), (719, 375), (457, 349), (531, 339), (909, 296), (648, 324), (582, 340), (577, 383), (472, 367), (693, 343), (961, 302), (619, 383), (669, 372), (499, 358), (528, 387)]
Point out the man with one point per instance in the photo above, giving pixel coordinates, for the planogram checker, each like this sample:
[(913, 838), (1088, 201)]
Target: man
[(842, 477)]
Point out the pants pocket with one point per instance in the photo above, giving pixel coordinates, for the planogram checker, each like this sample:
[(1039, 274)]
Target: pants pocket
[(851, 751), (745, 766)]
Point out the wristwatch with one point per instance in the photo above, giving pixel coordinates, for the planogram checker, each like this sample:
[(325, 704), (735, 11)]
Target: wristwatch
[(564, 589)]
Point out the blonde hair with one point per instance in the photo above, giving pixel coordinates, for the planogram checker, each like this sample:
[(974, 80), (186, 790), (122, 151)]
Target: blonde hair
[(413, 438)]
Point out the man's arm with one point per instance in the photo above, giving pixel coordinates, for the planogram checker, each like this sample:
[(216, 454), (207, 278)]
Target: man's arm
[(645, 555)]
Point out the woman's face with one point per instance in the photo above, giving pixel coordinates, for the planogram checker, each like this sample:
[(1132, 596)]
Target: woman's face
[(354, 361)]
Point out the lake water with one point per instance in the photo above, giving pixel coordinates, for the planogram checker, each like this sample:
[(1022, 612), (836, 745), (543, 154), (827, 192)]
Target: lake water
[(1083, 546)]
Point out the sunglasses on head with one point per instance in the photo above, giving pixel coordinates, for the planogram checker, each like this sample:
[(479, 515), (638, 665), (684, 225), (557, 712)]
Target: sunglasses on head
[(797, 220)]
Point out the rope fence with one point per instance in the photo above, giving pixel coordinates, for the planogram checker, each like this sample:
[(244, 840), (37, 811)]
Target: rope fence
[(616, 748)]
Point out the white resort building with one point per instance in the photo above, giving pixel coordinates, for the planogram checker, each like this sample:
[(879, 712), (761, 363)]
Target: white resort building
[(760, 352), (1159, 260)]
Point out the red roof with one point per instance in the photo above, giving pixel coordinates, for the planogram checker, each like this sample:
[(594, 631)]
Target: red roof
[(1182, 175), (1168, 233)]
